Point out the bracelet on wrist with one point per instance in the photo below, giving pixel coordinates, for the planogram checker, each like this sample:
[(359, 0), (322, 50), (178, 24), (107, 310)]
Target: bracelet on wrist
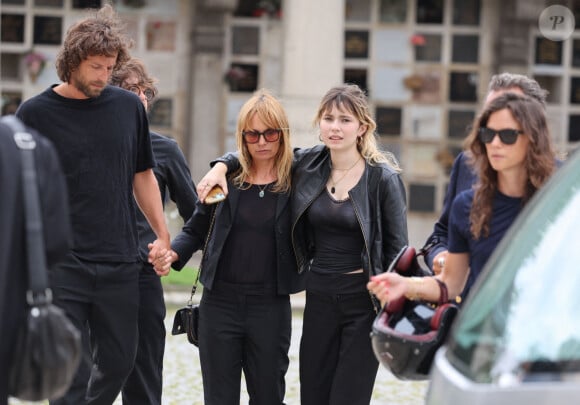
[(414, 290)]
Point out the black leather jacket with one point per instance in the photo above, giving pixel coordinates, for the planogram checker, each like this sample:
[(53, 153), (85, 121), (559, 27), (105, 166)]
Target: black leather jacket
[(379, 202), (194, 234)]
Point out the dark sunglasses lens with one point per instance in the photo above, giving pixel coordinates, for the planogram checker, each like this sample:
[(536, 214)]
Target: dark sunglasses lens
[(508, 136), (271, 135), (251, 136), (486, 135)]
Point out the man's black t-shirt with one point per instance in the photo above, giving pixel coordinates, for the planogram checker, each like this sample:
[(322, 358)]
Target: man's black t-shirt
[(102, 142)]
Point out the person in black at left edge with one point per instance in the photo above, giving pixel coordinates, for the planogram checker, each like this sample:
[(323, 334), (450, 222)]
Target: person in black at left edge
[(56, 228), (144, 384), (101, 134)]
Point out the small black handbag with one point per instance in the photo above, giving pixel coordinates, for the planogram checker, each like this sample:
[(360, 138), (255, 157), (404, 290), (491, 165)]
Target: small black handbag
[(186, 319), (48, 348)]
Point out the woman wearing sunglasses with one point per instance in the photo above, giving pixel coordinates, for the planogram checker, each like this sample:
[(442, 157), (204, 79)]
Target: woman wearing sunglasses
[(248, 269), (513, 157)]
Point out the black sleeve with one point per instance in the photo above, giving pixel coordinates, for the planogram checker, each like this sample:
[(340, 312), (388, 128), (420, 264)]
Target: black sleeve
[(192, 236), (179, 183), (230, 159), (394, 217)]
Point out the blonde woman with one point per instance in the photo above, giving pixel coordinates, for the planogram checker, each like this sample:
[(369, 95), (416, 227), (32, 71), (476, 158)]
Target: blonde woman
[(248, 267)]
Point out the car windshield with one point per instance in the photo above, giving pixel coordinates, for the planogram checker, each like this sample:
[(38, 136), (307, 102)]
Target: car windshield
[(522, 318)]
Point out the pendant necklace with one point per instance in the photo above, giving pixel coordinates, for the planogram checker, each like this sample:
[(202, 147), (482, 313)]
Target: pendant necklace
[(261, 193), (334, 183)]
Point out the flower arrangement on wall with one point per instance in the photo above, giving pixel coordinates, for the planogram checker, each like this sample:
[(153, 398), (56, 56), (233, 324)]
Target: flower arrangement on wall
[(34, 62)]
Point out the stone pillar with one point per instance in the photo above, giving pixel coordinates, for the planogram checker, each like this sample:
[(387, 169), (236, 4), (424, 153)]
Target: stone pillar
[(312, 60), (205, 122)]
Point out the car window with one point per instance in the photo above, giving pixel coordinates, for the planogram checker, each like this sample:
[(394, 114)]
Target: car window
[(522, 317)]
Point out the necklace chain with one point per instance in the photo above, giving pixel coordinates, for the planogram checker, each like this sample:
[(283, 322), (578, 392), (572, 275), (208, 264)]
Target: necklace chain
[(262, 189), (334, 183)]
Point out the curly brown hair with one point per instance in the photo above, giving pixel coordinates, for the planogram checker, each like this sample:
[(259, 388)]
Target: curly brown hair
[(101, 34), (539, 162), (134, 67)]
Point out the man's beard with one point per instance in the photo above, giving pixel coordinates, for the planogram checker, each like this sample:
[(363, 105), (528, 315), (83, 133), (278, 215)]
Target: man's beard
[(86, 89)]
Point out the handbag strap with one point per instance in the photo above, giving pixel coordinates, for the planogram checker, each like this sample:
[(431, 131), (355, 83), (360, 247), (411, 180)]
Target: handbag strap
[(194, 287), (38, 291)]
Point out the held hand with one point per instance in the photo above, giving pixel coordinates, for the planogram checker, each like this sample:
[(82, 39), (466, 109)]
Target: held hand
[(162, 263), (158, 249), (439, 262), (387, 287), (217, 175)]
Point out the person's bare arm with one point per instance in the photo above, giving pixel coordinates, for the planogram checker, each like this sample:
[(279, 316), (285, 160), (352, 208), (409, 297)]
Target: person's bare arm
[(148, 198), (390, 286)]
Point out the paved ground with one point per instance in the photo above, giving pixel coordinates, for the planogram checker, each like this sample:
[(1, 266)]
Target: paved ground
[(182, 376)]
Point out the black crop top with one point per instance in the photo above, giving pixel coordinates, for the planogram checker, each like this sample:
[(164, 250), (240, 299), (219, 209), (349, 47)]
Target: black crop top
[(338, 238)]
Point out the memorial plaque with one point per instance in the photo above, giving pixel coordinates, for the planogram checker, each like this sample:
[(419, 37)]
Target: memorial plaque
[(356, 44), (548, 52), (242, 77), (161, 113), (357, 10), (466, 12), (576, 53), (356, 76), (47, 30), (245, 41), (554, 86), (12, 28), (460, 123), (575, 90), (463, 87), (465, 49), (574, 128), (393, 11), (429, 48), (388, 120), (429, 11), (160, 36), (10, 66)]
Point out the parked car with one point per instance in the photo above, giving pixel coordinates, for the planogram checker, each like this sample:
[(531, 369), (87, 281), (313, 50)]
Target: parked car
[(517, 338)]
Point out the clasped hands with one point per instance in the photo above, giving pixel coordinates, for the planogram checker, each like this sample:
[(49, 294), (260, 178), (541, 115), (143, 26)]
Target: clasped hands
[(161, 257)]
